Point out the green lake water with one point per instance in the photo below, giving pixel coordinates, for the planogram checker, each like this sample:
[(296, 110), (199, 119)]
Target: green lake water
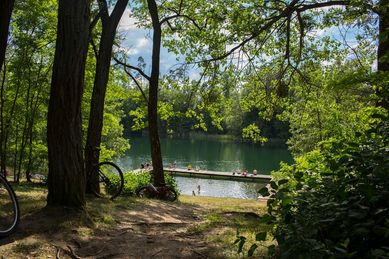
[(210, 154)]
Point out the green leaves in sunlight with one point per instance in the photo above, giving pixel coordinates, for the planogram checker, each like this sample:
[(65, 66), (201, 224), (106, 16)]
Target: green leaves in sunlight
[(253, 132), (333, 201), (240, 241)]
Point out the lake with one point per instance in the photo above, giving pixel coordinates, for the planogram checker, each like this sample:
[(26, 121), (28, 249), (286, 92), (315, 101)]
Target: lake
[(210, 154)]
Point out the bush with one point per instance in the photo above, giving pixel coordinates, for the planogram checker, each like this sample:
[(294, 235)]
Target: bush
[(334, 203), (133, 182)]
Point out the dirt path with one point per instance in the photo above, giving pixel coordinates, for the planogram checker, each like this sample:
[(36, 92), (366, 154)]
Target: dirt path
[(152, 229)]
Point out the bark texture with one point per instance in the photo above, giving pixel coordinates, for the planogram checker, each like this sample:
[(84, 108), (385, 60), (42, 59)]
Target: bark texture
[(103, 62), (155, 145), (66, 180), (6, 7)]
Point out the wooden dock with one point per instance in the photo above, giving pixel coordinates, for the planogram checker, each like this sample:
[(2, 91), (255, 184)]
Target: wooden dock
[(214, 174)]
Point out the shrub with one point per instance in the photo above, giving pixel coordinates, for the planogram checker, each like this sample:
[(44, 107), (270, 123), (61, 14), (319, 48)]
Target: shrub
[(133, 182), (333, 203)]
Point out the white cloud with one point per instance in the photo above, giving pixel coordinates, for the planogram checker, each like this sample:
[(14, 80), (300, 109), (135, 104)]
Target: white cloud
[(137, 42), (127, 22), (143, 43)]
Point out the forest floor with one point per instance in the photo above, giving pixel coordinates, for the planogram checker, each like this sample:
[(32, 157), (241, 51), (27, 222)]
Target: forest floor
[(193, 227)]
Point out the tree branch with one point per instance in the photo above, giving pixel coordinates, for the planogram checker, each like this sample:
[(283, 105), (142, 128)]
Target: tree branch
[(301, 38), (94, 21), (167, 19), (321, 5), (287, 49), (103, 10), (140, 71), (286, 12), (137, 84), (94, 48)]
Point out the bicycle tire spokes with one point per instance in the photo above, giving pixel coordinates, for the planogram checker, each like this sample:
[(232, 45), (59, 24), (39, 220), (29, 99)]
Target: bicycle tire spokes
[(103, 178), (9, 212), (110, 180)]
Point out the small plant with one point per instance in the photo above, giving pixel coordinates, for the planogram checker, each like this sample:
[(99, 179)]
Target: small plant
[(241, 240), (132, 182)]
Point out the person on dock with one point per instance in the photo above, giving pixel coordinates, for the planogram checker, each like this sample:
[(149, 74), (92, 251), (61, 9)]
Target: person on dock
[(255, 172), (198, 189), (193, 193)]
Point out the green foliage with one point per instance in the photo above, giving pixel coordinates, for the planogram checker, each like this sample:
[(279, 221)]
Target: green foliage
[(253, 132), (25, 86), (133, 182), (329, 105), (113, 144), (333, 203)]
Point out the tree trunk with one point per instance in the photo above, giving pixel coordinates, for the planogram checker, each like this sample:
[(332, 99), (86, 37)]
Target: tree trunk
[(6, 7), (155, 145), (2, 128), (66, 179), (103, 63), (383, 52)]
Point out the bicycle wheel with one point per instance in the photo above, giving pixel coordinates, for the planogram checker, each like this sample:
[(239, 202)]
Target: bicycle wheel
[(144, 192), (170, 194), (110, 179), (9, 208)]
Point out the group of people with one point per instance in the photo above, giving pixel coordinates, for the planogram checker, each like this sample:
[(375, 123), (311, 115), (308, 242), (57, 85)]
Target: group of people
[(244, 172)]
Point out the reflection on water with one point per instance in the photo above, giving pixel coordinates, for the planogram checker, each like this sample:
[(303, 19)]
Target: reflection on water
[(218, 188), (210, 154)]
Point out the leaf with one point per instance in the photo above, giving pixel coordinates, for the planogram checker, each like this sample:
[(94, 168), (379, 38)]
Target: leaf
[(252, 249), (241, 242), (261, 236), (271, 250), (267, 219), (282, 181), (341, 250), (264, 192), (298, 175), (273, 185)]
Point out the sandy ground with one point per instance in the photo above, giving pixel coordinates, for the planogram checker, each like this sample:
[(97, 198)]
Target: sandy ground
[(153, 229)]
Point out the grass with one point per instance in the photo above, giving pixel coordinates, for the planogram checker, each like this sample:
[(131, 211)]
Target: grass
[(221, 221), (227, 219)]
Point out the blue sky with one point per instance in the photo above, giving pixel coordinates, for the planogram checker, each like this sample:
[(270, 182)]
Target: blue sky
[(138, 42)]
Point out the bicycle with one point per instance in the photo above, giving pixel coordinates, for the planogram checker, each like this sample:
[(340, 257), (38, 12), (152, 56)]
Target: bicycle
[(161, 192), (9, 208), (105, 179)]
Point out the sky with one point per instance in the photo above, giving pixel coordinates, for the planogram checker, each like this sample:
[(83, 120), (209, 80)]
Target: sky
[(138, 42)]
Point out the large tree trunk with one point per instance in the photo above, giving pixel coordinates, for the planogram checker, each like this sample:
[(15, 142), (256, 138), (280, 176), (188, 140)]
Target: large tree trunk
[(103, 63), (6, 7), (66, 180), (155, 145), (383, 52), (2, 128)]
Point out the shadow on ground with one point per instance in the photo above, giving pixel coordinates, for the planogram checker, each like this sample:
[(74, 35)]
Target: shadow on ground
[(127, 228)]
